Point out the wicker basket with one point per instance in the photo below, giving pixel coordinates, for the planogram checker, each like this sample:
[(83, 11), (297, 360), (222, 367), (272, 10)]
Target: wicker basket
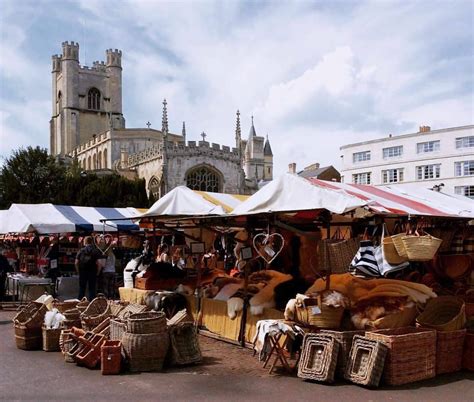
[(421, 248), (117, 329), (366, 361), (399, 245), (51, 339), (411, 356), (316, 314), (443, 313), (453, 266), (89, 355), (66, 340), (28, 338), (116, 307), (449, 351), (31, 315), (344, 339), (111, 357), (340, 254), (318, 358), (390, 252), (146, 352), (63, 306), (468, 354), (150, 322), (184, 344), (82, 305), (132, 308), (96, 312)]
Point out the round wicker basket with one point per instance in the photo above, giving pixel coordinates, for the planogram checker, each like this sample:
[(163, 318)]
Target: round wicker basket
[(146, 352), (146, 323)]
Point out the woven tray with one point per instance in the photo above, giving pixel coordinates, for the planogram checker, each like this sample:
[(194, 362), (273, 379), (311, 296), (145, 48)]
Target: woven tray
[(344, 339), (318, 358), (411, 356), (366, 361)]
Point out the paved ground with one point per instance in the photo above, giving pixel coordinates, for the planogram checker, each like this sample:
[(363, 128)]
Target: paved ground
[(229, 373)]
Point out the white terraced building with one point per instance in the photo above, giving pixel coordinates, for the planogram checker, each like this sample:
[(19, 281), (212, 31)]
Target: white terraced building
[(440, 159)]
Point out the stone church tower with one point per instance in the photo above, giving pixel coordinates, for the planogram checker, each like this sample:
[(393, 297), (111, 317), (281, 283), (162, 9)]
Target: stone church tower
[(86, 100), (87, 124)]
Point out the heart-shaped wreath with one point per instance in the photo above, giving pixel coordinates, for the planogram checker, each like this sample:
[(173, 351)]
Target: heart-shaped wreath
[(103, 242), (264, 244)]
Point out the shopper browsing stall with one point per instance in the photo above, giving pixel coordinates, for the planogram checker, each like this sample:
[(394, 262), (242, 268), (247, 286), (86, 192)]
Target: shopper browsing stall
[(87, 267)]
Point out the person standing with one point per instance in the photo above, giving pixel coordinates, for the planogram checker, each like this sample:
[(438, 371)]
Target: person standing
[(87, 267), (108, 275)]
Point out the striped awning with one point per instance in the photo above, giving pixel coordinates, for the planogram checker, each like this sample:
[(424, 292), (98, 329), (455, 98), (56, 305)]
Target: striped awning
[(49, 218)]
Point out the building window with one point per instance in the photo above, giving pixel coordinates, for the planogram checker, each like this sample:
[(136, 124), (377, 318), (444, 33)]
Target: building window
[(89, 166), (99, 160), (60, 103), (94, 162), (204, 179), (468, 191), (424, 147), (93, 99), (393, 152), (428, 172), (465, 142), (465, 168), (392, 175), (105, 159), (361, 156), (154, 187), (361, 178)]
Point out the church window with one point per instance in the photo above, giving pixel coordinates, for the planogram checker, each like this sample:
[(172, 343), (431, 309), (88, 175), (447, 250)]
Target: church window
[(104, 164), (89, 167), (99, 160), (93, 99), (60, 104), (204, 179), (94, 162), (154, 187)]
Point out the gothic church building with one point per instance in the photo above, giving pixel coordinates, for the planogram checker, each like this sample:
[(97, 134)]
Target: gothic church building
[(87, 123)]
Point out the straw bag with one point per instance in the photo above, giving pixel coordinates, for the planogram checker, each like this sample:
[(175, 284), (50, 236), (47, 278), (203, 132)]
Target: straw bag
[(421, 247), (341, 251), (443, 313), (390, 251)]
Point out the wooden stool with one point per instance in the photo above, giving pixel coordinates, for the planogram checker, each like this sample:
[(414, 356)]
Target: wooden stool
[(279, 351)]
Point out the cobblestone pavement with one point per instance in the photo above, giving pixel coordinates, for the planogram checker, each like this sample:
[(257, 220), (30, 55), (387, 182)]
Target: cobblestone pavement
[(228, 373)]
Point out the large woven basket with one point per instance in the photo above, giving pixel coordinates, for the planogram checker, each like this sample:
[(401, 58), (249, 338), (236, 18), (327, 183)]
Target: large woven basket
[(411, 356), (150, 322), (390, 252), (28, 338), (51, 339), (96, 312), (316, 314), (468, 354), (117, 329), (344, 339), (443, 313), (146, 352), (340, 254), (449, 351), (421, 248), (31, 315), (184, 344), (366, 361), (318, 358)]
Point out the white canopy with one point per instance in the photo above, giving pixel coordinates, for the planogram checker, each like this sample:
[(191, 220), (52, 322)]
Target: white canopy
[(49, 218), (182, 201), (290, 193)]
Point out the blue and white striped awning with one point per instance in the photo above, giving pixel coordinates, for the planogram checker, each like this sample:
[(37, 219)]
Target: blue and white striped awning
[(49, 218)]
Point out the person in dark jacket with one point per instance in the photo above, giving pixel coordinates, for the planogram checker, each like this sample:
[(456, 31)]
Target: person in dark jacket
[(88, 268), (4, 269)]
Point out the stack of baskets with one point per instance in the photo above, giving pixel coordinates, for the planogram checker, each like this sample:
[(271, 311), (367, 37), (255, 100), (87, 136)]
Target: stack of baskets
[(118, 322), (318, 358), (146, 341), (28, 323), (446, 314), (72, 318), (96, 312), (63, 306)]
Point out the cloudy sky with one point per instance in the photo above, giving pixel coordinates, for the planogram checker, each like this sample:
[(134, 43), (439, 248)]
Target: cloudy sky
[(315, 74)]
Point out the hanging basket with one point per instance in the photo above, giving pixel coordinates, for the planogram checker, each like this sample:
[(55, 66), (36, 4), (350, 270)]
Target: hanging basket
[(399, 245), (390, 252), (421, 248)]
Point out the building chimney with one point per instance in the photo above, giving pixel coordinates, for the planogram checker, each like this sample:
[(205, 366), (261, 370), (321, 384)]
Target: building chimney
[(425, 129), (292, 168)]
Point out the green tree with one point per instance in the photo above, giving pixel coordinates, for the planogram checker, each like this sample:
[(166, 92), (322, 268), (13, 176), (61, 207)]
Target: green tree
[(30, 176)]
